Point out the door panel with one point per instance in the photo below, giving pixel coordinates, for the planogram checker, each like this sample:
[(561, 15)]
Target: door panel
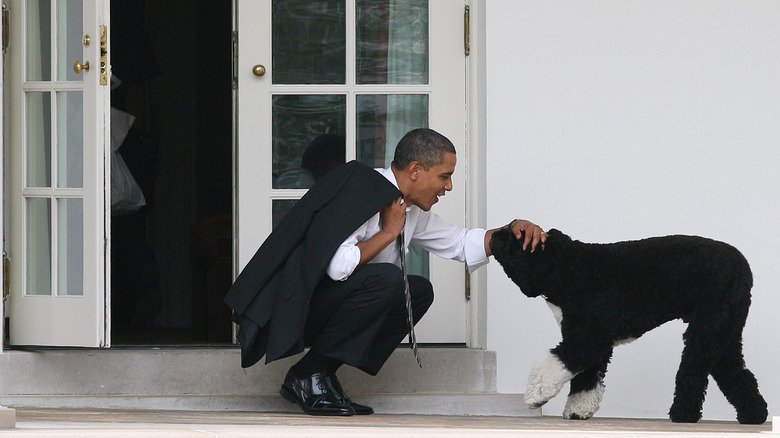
[(55, 167), (344, 80)]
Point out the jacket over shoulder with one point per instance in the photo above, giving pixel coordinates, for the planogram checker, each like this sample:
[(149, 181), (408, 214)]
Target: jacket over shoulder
[(270, 297)]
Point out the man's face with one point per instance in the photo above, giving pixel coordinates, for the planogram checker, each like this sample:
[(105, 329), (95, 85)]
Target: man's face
[(432, 183)]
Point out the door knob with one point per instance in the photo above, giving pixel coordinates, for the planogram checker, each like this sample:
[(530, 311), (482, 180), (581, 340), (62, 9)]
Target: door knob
[(258, 70), (78, 66)]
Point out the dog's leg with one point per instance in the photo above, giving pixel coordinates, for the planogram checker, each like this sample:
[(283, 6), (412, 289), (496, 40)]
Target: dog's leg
[(701, 340), (577, 352), (739, 385), (546, 379), (587, 389)]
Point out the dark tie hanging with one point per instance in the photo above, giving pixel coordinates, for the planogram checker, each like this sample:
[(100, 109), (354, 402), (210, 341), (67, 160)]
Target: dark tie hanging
[(408, 296)]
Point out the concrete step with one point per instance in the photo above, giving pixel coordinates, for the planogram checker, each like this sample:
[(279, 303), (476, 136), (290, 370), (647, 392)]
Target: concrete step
[(453, 381), (7, 418)]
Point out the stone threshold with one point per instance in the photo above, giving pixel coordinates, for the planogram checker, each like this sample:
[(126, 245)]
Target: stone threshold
[(7, 418), (453, 381)]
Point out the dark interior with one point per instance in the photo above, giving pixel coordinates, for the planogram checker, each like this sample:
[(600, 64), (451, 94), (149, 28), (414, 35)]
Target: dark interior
[(171, 258)]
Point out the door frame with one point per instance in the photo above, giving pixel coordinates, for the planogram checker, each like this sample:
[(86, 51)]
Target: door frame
[(475, 163), (2, 179), (473, 166)]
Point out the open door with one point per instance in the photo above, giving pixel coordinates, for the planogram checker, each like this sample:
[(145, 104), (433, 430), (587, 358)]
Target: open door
[(56, 106)]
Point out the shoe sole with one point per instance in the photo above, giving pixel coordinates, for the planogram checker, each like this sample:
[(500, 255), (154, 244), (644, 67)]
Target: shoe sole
[(364, 413), (290, 397)]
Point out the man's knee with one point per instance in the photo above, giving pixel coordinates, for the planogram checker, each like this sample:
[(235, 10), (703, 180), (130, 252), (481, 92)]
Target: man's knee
[(421, 290), (386, 281)]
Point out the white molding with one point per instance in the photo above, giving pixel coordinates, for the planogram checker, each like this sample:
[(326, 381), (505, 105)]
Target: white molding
[(2, 192), (476, 207)]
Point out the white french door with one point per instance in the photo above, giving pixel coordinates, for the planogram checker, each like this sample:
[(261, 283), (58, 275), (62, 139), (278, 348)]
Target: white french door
[(324, 81), (56, 104)]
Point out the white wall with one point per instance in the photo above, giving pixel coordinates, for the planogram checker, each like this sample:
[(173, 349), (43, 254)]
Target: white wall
[(622, 119)]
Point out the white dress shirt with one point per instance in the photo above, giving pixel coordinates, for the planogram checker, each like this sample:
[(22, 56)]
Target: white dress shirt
[(422, 227)]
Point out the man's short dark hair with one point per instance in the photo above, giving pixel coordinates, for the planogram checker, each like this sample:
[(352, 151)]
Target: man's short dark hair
[(424, 145)]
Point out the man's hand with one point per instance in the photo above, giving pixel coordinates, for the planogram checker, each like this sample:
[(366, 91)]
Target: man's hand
[(534, 234), (392, 217)]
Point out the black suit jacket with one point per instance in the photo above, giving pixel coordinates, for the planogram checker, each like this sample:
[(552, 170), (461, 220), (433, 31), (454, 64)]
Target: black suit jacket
[(270, 298)]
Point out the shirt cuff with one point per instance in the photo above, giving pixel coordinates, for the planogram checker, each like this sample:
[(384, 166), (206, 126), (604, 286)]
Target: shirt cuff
[(475, 249)]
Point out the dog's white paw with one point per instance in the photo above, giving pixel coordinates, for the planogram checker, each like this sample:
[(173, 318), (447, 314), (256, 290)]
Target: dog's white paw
[(583, 405), (546, 379)]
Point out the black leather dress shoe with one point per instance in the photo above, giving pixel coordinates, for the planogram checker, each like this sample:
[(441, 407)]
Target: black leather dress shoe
[(358, 408), (314, 394)]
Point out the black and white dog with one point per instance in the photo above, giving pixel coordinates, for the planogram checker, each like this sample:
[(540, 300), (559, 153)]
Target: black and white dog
[(606, 294)]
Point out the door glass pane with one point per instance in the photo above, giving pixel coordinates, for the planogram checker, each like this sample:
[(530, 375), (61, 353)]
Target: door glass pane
[(38, 37), (392, 41), (70, 139), (69, 34), (38, 131), (38, 246), (308, 138), (309, 42), (382, 119), (70, 246)]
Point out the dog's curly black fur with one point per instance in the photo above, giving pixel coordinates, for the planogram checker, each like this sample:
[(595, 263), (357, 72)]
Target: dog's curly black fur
[(605, 294)]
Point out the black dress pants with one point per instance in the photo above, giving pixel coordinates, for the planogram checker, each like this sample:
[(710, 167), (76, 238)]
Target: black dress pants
[(361, 320)]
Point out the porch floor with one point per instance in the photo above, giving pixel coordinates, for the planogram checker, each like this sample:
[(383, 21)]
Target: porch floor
[(132, 423)]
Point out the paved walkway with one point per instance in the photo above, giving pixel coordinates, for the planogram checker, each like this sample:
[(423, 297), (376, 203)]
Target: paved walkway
[(113, 423)]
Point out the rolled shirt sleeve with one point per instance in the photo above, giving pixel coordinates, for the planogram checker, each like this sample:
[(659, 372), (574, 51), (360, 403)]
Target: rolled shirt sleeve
[(450, 241), (422, 227), (347, 256)]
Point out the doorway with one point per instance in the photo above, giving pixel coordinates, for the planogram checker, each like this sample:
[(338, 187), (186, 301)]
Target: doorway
[(171, 245)]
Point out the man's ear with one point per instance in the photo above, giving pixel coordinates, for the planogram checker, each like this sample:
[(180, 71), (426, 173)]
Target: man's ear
[(413, 170)]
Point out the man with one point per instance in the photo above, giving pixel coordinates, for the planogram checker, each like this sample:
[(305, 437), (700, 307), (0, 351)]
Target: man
[(350, 295)]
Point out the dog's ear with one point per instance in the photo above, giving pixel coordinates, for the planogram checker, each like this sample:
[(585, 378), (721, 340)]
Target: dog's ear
[(556, 237), (555, 232), (501, 240), (508, 251)]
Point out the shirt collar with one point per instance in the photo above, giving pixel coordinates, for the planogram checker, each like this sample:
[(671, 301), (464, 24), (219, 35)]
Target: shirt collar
[(388, 173)]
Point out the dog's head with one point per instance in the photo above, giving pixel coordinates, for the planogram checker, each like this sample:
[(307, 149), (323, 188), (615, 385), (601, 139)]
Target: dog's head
[(529, 270)]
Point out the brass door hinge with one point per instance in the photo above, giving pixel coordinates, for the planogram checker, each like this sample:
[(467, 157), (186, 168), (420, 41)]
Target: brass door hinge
[(235, 60), (103, 55), (468, 284), (6, 31), (466, 31), (6, 278)]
